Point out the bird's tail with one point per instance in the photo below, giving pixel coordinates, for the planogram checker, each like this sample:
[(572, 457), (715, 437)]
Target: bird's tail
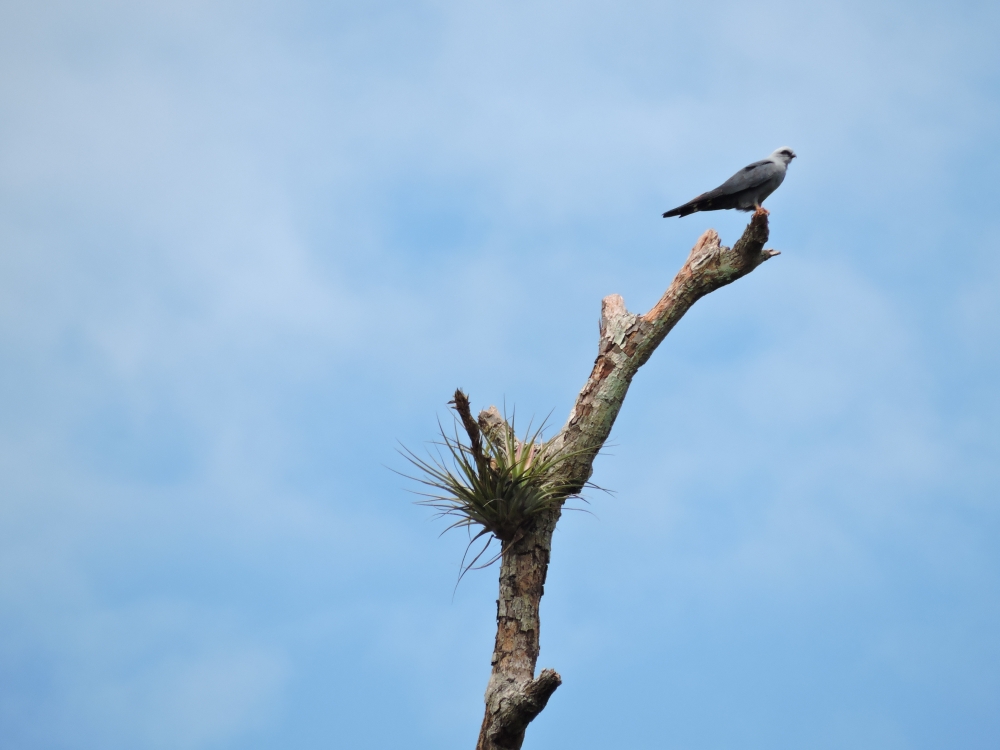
[(710, 201), (687, 208)]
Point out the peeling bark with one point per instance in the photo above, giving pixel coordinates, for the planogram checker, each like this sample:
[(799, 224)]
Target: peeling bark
[(514, 697)]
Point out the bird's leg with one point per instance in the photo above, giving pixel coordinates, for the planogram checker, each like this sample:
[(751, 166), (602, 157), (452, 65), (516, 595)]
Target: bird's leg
[(759, 210)]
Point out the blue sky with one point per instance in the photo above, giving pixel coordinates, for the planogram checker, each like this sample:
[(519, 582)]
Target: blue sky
[(245, 248)]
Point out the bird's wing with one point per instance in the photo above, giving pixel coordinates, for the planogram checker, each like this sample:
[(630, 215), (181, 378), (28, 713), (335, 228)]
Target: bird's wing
[(749, 177)]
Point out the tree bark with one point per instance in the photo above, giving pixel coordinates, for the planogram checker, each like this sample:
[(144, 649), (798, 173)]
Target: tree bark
[(514, 696)]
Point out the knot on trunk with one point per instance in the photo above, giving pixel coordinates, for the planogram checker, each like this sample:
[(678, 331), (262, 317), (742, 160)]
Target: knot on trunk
[(511, 706)]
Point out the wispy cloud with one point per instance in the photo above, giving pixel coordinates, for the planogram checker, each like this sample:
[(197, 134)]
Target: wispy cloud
[(243, 248)]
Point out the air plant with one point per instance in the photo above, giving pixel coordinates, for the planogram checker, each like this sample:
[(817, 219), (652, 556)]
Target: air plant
[(494, 485)]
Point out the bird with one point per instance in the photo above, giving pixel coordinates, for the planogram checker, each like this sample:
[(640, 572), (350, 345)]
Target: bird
[(745, 190)]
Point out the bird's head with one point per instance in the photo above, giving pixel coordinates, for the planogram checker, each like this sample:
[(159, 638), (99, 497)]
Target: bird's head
[(784, 155)]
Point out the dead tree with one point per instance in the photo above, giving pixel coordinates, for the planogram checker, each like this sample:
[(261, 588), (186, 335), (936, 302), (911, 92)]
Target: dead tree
[(514, 696)]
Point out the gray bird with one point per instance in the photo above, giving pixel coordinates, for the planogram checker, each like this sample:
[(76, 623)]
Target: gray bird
[(745, 190)]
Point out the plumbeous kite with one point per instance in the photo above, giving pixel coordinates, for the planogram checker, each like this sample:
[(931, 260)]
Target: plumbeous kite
[(745, 190)]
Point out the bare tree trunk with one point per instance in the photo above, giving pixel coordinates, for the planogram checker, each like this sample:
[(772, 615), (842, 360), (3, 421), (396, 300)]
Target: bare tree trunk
[(514, 696)]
